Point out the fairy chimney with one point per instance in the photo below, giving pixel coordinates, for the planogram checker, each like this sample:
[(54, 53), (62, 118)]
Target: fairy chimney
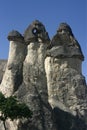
[(13, 74), (46, 75), (66, 85)]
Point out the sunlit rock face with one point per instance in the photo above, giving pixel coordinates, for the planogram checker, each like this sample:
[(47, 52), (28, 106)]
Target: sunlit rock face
[(46, 75), (13, 74), (34, 77), (66, 85), (2, 68)]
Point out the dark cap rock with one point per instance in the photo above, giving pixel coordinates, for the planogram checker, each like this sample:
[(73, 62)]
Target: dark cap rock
[(35, 31), (65, 43), (66, 27), (15, 36)]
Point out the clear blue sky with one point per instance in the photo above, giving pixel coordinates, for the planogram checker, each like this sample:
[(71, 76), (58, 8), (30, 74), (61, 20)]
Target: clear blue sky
[(18, 14)]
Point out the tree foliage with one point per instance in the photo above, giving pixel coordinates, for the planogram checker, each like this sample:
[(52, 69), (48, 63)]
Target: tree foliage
[(11, 108)]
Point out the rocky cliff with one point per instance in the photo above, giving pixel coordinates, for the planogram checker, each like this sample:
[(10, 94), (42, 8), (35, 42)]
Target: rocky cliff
[(46, 75)]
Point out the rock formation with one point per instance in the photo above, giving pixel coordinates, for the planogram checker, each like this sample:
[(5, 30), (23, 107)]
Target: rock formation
[(2, 68), (67, 89), (46, 75), (34, 77), (13, 73)]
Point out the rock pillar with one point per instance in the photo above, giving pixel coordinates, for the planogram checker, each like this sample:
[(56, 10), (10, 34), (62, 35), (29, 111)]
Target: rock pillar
[(13, 75), (34, 78), (66, 85)]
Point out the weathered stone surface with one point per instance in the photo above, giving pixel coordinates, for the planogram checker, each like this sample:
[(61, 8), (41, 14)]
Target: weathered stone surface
[(2, 68), (65, 79), (13, 74), (36, 31), (67, 88), (15, 36), (35, 84), (65, 38), (47, 77), (65, 52)]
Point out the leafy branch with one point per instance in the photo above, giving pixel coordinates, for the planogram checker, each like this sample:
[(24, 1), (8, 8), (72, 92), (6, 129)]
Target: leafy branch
[(11, 108)]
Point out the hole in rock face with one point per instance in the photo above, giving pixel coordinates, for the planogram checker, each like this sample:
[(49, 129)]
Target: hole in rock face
[(35, 31)]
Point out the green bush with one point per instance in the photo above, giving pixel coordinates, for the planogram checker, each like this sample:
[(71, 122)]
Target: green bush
[(11, 108)]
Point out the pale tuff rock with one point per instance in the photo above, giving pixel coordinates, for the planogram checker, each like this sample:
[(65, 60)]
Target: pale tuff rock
[(34, 77), (47, 76), (13, 74), (67, 56), (66, 85), (2, 68), (10, 125)]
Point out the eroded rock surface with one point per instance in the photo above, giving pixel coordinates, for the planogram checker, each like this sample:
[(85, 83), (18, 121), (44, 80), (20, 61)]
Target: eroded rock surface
[(13, 74), (67, 88), (46, 75)]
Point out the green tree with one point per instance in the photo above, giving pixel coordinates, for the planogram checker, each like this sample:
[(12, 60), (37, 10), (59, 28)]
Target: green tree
[(11, 108)]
